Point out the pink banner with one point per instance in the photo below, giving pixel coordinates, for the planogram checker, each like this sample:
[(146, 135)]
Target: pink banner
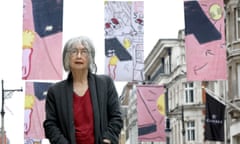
[(151, 113), (205, 40), (42, 40), (34, 111)]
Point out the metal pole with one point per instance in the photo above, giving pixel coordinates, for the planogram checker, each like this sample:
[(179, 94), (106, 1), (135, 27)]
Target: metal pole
[(222, 99), (3, 112), (183, 125), (2, 115)]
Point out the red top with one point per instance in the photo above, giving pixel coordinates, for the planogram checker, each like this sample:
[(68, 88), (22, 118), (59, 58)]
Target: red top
[(83, 118)]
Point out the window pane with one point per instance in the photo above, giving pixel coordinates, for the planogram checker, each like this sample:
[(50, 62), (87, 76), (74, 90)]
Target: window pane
[(189, 136), (238, 11), (186, 96), (193, 135), (238, 76), (191, 96), (191, 85), (235, 21), (238, 25), (193, 124)]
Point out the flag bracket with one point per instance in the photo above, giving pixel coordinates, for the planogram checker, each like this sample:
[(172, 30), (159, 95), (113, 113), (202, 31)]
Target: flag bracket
[(222, 100)]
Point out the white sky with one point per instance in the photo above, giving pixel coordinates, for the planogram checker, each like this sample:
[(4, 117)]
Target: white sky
[(162, 19)]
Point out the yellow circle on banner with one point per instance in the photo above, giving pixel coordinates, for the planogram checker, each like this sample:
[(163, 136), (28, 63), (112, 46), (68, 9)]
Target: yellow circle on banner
[(161, 104), (215, 12)]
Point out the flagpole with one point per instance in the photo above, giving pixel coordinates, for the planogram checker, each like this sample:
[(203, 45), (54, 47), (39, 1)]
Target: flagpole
[(220, 98), (183, 124), (204, 102)]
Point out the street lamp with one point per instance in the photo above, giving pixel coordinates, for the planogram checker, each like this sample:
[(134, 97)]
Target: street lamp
[(3, 112)]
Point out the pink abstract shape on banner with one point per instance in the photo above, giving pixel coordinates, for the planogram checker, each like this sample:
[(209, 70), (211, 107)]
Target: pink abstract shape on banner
[(205, 40), (151, 113), (41, 54), (34, 111)]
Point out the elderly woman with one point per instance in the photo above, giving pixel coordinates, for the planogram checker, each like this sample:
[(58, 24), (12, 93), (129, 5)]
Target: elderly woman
[(84, 108)]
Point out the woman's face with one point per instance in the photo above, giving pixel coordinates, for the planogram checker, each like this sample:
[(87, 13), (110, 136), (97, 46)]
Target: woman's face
[(79, 57)]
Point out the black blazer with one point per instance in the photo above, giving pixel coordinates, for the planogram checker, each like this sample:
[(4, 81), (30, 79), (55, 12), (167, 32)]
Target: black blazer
[(59, 122)]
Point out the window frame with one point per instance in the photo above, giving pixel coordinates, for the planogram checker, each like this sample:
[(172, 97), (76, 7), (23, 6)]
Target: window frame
[(190, 131), (189, 93), (238, 79), (237, 23)]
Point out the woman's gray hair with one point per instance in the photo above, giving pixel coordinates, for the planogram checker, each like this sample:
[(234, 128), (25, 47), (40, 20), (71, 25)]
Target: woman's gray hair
[(87, 43)]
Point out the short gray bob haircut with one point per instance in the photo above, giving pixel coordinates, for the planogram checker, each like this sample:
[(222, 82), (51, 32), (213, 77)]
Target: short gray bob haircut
[(87, 43)]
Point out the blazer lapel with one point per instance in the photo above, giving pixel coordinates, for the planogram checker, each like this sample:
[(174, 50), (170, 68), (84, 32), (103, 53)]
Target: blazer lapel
[(69, 102), (94, 97)]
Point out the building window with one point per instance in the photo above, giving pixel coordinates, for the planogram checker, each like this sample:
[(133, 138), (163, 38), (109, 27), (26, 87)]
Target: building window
[(177, 96), (237, 23), (174, 97), (189, 92), (167, 65), (190, 131), (170, 101), (230, 85), (238, 78)]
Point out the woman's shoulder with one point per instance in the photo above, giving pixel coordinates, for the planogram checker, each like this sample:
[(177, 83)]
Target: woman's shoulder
[(59, 84), (102, 77)]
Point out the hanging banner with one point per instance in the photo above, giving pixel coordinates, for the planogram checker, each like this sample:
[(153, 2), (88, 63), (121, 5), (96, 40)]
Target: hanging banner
[(42, 40), (34, 111), (151, 113), (214, 121), (205, 40), (124, 54)]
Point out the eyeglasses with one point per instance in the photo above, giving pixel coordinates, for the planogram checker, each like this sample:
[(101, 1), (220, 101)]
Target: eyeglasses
[(75, 52)]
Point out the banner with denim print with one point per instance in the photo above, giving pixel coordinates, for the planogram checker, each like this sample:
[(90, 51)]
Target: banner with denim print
[(42, 40), (205, 40), (34, 111)]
